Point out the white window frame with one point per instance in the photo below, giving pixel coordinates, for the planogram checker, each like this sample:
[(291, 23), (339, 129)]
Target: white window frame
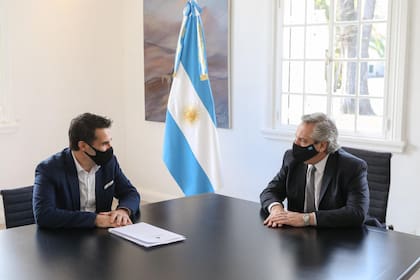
[(8, 124), (396, 57)]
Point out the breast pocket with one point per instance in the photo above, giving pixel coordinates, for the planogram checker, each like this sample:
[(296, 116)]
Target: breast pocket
[(108, 185)]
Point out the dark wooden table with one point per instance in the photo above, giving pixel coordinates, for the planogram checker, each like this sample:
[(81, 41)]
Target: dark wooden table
[(225, 240)]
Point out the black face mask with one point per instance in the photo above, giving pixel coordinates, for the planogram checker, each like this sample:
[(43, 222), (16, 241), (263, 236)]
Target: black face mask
[(101, 158), (304, 153)]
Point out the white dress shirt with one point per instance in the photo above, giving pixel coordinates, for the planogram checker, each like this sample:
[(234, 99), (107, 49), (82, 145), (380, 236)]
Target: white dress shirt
[(319, 174), (86, 186)]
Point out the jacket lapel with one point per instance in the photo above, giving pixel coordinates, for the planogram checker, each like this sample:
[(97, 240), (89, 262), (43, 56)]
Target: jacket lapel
[(300, 182), (329, 173), (72, 179), (99, 184)]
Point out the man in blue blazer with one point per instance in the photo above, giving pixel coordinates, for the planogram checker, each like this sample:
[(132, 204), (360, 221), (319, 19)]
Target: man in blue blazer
[(75, 187), (335, 194)]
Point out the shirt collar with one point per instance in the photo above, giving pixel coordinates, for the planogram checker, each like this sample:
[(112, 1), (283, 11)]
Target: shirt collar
[(80, 169), (320, 165)]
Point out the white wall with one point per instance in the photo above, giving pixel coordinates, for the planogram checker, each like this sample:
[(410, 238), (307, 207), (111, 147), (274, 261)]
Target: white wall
[(87, 55), (64, 58)]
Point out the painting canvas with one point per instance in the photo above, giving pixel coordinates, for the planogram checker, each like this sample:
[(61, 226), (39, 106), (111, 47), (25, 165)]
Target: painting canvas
[(162, 22)]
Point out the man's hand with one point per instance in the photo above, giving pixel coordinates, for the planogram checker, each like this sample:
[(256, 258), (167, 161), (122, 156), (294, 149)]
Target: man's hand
[(115, 218), (272, 219), (120, 217), (289, 218)]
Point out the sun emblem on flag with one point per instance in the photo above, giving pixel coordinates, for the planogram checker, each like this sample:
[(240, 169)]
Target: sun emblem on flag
[(191, 114)]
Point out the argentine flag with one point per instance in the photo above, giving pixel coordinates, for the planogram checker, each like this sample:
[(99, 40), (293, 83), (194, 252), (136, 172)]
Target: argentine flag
[(191, 146)]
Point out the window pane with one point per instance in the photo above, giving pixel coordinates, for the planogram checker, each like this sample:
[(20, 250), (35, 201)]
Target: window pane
[(342, 111), (377, 9), (345, 75), (373, 40), (293, 45), (317, 41), (316, 77), (371, 106), (291, 109), (346, 10), (315, 104), (346, 41), (293, 76), (318, 11), (286, 42), (370, 116), (334, 60), (372, 78), (294, 11)]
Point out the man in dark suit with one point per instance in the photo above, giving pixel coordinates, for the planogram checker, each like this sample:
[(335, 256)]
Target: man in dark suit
[(324, 185), (75, 187)]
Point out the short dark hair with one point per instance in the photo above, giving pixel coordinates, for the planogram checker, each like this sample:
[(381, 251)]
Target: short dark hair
[(82, 128)]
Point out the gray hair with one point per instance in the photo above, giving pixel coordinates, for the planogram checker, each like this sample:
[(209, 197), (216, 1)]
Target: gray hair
[(324, 130)]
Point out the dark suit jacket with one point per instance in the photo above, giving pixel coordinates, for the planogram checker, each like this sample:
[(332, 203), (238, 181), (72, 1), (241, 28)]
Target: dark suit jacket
[(344, 195), (56, 197)]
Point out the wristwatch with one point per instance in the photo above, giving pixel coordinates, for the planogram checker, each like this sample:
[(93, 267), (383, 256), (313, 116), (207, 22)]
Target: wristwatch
[(306, 219)]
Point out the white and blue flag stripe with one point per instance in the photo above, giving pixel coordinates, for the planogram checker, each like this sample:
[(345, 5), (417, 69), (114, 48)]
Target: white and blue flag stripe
[(191, 148)]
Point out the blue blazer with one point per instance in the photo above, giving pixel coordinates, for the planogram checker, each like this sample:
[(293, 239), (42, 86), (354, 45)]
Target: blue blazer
[(56, 196), (344, 194)]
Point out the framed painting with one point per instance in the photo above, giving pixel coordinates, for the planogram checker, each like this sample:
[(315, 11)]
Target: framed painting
[(162, 22)]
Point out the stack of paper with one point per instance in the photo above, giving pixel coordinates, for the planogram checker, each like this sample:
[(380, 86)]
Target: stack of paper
[(146, 235)]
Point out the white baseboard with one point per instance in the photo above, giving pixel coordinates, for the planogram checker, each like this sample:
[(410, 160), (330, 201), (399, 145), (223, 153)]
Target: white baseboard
[(151, 196)]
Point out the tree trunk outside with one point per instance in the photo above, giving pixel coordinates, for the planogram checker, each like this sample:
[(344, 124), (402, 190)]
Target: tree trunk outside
[(348, 48), (365, 107)]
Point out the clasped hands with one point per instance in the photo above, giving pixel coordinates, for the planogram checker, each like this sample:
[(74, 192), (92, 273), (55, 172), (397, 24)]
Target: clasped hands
[(114, 218), (279, 217)]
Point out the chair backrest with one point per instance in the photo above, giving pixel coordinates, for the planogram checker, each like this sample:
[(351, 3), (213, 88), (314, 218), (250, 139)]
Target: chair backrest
[(379, 179), (18, 206)]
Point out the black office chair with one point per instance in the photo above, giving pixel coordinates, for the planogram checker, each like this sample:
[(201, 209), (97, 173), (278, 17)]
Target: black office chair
[(18, 206), (379, 179)]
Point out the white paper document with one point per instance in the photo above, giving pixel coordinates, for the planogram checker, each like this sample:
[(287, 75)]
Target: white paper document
[(146, 235)]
